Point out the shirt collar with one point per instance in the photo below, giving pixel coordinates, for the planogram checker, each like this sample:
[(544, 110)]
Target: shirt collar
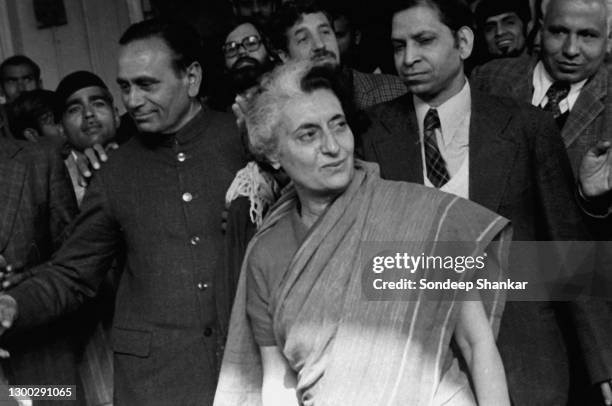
[(452, 112), (542, 81)]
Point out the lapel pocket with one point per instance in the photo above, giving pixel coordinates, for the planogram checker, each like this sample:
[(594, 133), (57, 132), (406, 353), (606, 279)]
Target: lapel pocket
[(131, 342)]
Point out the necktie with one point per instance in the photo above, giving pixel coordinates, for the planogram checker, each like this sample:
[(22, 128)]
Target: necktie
[(556, 92), (436, 167)]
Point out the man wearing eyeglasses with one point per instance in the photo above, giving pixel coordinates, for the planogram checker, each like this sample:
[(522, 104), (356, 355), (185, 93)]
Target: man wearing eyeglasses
[(247, 56)]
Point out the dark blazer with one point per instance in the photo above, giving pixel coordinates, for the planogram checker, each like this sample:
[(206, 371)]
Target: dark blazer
[(590, 118), (36, 205), (161, 197), (370, 89), (519, 169)]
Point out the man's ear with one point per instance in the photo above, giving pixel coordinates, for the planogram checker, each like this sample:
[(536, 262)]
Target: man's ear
[(31, 135), (357, 37), (193, 75), (609, 37), (465, 41), (116, 117)]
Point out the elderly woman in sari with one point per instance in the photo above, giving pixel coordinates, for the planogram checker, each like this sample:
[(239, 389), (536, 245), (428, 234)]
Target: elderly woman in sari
[(301, 333)]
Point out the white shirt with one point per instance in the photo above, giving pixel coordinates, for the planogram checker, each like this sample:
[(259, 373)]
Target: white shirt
[(542, 81), (453, 138)]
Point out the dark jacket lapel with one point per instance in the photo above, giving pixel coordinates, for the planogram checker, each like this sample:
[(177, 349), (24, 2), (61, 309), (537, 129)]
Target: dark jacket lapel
[(492, 151), (398, 147), (12, 175), (588, 106)]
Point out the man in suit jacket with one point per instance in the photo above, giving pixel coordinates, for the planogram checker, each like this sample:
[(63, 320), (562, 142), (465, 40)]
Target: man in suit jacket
[(575, 57), (161, 196), (500, 153), (36, 205), (574, 46)]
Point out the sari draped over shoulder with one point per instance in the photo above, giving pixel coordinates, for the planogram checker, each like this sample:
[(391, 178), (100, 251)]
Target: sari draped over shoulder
[(345, 349)]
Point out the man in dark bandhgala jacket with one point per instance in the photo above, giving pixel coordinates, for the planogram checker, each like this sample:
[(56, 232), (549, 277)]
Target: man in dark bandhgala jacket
[(161, 196)]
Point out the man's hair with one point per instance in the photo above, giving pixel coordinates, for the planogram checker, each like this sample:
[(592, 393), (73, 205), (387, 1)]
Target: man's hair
[(17, 60), (25, 110), (453, 13), (74, 82), (182, 39), (491, 8), (235, 22), (289, 14), (279, 87)]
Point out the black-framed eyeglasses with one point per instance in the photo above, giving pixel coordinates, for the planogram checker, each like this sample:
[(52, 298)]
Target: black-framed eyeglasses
[(250, 43)]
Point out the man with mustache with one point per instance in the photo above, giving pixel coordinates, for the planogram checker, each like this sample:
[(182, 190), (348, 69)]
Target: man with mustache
[(302, 29), (502, 25), (246, 56)]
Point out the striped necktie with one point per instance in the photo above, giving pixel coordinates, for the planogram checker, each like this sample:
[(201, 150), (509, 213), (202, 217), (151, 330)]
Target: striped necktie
[(436, 167)]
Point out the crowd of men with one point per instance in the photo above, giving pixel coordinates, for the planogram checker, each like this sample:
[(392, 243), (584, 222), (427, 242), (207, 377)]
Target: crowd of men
[(106, 214)]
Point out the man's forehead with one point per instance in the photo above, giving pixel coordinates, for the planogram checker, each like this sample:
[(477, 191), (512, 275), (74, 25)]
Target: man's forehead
[(142, 57), (86, 93), (15, 71), (416, 20), (593, 11), (242, 31), (502, 16), (312, 19)]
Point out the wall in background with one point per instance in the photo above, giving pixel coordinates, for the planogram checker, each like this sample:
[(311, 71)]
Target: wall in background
[(88, 41)]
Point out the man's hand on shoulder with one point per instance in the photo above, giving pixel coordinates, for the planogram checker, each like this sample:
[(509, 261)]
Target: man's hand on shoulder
[(91, 158), (8, 314)]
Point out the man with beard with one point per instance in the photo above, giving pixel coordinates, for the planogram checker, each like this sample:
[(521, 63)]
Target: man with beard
[(302, 29), (502, 26), (247, 56)]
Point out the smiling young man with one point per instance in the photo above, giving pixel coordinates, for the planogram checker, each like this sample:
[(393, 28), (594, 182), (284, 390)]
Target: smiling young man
[(502, 25), (500, 153), (87, 117), (159, 196)]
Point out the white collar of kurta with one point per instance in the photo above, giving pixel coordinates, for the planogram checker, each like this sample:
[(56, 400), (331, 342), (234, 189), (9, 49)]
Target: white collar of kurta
[(542, 81), (452, 112)]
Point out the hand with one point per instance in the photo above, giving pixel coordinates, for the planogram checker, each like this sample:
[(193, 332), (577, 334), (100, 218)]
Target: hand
[(91, 158), (8, 275), (8, 312), (595, 173), (239, 108), (606, 392)]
